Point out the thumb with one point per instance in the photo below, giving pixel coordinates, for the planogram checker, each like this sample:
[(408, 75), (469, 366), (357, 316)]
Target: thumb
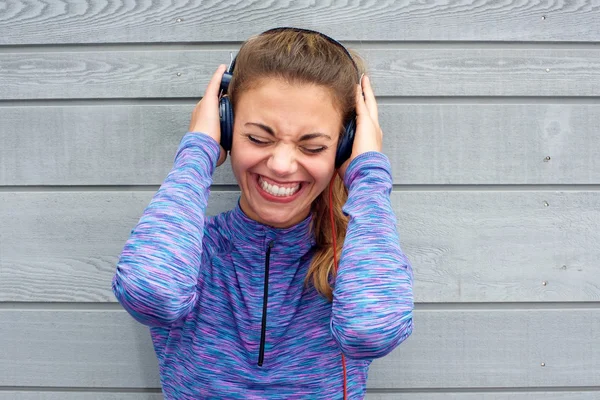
[(222, 156)]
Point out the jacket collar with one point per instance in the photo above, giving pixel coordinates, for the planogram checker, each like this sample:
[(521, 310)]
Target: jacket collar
[(296, 239)]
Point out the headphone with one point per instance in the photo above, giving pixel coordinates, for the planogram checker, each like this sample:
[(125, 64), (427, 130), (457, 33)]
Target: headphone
[(344, 149)]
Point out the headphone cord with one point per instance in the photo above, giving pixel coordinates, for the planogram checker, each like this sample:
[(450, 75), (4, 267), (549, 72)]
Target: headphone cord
[(335, 265)]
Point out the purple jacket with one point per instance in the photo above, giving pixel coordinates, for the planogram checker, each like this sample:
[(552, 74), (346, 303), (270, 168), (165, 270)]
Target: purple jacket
[(225, 299)]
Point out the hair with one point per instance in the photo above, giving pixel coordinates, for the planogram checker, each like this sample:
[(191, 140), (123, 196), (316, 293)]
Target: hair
[(306, 57)]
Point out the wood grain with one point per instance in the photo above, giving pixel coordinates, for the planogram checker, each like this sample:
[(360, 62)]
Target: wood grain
[(465, 246), (395, 71), (426, 144), (449, 349), (94, 93), (127, 21)]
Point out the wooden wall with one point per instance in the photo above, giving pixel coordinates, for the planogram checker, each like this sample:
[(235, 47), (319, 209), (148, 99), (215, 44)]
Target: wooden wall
[(491, 115)]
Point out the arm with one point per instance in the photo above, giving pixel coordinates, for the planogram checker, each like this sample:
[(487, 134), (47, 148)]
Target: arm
[(158, 269), (373, 298)]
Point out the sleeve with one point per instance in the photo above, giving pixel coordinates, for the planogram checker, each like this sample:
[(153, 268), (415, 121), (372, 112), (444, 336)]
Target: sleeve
[(373, 295), (158, 269)]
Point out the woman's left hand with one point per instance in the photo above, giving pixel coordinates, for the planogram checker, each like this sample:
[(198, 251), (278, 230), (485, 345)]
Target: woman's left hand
[(368, 136)]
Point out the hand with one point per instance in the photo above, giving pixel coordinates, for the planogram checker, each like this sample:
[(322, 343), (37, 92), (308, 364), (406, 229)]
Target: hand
[(205, 117), (368, 136)]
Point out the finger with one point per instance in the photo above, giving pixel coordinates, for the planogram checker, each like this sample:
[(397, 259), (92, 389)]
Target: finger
[(361, 107), (212, 90), (370, 101)]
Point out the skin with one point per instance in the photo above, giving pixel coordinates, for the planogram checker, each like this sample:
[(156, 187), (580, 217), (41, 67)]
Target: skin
[(285, 135), (272, 121)]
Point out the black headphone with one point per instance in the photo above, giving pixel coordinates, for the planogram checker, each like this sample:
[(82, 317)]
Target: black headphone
[(344, 149)]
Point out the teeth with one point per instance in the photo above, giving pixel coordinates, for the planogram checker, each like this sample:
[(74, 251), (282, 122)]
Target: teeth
[(277, 190)]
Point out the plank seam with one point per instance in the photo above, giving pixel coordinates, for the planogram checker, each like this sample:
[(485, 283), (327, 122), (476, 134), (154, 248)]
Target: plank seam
[(396, 187), (514, 306), (48, 389), (467, 306), (354, 44), (381, 100), (532, 389)]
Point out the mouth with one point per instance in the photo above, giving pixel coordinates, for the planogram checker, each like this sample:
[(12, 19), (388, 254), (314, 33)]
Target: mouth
[(281, 192)]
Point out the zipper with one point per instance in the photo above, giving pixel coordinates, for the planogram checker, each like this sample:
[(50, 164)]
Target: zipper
[(263, 327)]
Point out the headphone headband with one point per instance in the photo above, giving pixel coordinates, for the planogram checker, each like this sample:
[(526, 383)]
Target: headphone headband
[(229, 73), (324, 36), (346, 140)]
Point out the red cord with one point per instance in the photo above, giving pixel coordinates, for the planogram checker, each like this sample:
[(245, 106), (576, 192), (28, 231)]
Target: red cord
[(345, 380), (335, 265)]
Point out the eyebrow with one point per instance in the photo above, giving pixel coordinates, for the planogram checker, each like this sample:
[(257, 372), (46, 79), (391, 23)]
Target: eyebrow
[(271, 132)]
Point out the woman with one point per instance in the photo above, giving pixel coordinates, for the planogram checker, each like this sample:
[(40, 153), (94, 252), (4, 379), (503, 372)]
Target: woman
[(251, 304)]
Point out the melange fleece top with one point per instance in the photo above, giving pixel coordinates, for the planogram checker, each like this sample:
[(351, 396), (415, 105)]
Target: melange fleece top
[(225, 297)]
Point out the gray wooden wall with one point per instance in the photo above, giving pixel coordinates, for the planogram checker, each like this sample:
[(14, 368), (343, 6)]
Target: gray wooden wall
[(491, 115)]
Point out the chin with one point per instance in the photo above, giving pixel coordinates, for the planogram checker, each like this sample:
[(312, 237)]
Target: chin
[(281, 219)]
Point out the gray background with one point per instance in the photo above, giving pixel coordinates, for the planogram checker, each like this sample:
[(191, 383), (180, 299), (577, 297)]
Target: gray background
[(474, 96)]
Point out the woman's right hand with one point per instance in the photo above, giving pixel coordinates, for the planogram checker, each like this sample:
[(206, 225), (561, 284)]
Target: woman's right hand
[(205, 117)]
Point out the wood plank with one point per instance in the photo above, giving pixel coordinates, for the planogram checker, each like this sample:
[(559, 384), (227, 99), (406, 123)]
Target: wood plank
[(495, 348), (491, 395), (449, 349), (395, 72), (465, 246), (128, 21), (76, 395), (498, 395), (426, 143)]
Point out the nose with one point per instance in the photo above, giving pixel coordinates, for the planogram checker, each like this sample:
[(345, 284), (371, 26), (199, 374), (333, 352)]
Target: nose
[(282, 160)]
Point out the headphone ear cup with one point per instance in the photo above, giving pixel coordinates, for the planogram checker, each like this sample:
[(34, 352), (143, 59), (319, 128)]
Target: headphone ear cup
[(226, 119), (344, 149)]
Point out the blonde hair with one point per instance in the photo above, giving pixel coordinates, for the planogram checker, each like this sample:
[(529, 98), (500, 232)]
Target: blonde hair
[(299, 56)]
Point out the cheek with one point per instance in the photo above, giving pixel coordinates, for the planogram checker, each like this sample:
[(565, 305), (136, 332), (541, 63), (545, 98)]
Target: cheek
[(240, 162), (321, 172)]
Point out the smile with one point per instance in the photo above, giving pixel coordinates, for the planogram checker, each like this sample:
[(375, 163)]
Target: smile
[(278, 190)]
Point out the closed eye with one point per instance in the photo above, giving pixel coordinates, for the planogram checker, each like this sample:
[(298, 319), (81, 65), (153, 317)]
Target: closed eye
[(314, 150), (255, 140)]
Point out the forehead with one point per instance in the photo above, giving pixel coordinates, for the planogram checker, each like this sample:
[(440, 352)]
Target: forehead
[(290, 108)]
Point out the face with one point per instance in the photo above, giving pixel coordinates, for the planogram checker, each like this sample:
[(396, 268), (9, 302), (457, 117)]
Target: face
[(283, 151)]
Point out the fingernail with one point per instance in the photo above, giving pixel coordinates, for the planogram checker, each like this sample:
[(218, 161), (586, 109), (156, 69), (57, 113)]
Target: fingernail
[(361, 77)]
